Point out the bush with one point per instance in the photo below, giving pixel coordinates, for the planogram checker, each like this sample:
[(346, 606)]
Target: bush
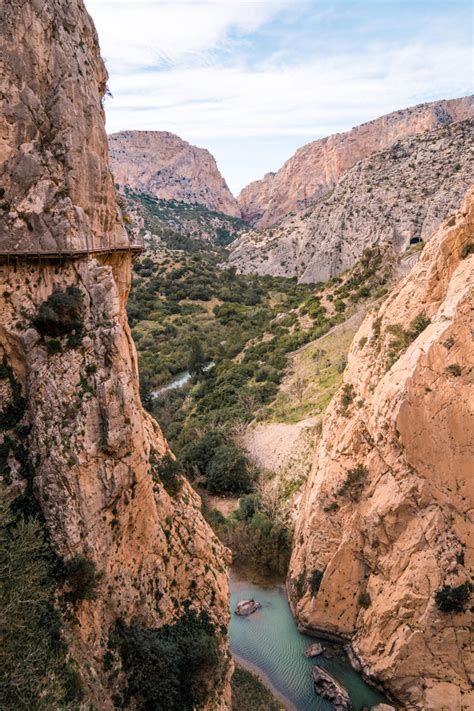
[(168, 472), (450, 599), (61, 314), (315, 581), (167, 668), (227, 472), (364, 600), (82, 578), (354, 482)]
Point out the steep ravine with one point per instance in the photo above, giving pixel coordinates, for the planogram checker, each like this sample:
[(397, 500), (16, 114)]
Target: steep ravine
[(382, 547), (90, 456)]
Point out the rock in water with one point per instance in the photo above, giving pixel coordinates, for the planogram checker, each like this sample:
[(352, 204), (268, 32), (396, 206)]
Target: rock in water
[(314, 650), (246, 607), (329, 688)]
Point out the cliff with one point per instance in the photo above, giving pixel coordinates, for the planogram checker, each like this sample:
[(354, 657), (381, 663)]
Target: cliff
[(164, 166), (383, 544), (318, 166), (73, 435), (399, 195)]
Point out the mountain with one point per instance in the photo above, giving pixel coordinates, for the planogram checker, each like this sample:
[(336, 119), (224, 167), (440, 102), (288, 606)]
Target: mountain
[(126, 598), (318, 166), (399, 195), (381, 554), (164, 166)]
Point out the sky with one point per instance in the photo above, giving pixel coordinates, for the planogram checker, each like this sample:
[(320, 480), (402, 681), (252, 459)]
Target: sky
[(254, 81)]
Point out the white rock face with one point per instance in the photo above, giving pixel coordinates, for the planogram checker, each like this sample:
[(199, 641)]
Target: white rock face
[(398, 195), (318, 166), (163, 165)]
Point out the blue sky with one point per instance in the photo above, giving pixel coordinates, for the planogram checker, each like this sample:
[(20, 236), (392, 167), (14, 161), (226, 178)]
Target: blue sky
[(253, 81)]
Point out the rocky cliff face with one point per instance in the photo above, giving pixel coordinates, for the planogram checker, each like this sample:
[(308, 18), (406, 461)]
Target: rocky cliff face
[(399, 195), (166, 167), (383, 543), (74, 436), (317, 167)]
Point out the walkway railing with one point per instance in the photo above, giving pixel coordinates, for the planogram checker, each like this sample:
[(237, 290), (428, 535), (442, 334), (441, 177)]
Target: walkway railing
[(135, 246)]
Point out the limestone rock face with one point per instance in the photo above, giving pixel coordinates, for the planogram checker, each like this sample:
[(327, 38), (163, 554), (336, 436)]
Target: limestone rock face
[(89, 453), (163, 165), (398, 195), (386, 518), (56, 191), (316, 167)]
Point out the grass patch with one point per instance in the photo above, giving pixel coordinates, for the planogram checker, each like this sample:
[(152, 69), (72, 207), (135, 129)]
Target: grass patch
[(249, 693)]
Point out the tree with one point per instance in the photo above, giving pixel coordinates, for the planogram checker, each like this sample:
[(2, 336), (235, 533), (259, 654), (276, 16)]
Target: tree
[(197, 360), (227, 472), (32, 670)]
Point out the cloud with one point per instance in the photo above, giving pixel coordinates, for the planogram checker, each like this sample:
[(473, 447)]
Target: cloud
[(153, 32)]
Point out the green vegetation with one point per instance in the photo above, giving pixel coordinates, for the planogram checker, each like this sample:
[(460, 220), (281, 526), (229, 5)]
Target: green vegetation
[(60, 315), (466, 250), (365, 600), (354, 482), (181, 225), (403, 338), (315, 581), (248, 692), (12, 413), (33, 668), (256, 540), (453, 599), (82, 579), (168, 668), (454, 369), (168, 472)]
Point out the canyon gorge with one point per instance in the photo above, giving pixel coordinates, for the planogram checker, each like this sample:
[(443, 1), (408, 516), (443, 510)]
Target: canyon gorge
[(281, 382)]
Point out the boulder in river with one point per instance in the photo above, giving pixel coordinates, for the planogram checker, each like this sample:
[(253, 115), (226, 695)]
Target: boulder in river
[(246, 607), (329, 688), (314, 650)]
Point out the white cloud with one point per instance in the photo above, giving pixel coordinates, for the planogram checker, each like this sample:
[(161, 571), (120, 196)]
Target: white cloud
[(151, 32)]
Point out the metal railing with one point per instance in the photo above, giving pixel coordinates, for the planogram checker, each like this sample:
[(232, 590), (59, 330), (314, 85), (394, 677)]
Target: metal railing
[(136, 245)]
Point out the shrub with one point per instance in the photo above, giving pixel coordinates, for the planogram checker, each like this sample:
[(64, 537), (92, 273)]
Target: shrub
[(454, 369), (354, 482), (167, 668), (53, 346), (61, 314), (248, 506), (197, 455), (466, 250), (453, 599), (168, 472), (11, 415), (227, 472), (365, 600), (315, 581), (82, 578)]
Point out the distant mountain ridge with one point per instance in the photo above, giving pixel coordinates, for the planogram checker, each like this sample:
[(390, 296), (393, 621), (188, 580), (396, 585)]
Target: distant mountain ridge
[(317, 167), (166, 167), (400, 195)]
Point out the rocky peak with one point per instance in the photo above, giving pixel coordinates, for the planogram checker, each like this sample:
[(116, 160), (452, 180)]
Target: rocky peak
[(316, 167), (74, 438), (166, 167), (382, 553)]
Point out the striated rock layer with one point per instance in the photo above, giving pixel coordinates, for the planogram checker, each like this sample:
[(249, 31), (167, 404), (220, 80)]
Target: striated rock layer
[(89, 453), (166, 167), (317, 167), (397, 196), (386, 519)]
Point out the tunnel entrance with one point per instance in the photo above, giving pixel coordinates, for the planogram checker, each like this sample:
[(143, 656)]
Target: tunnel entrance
[(415, 240)]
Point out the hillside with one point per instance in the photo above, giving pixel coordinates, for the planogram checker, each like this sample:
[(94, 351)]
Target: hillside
[(162, 165), (399, 196), (382, 549), (114, 588), (318, 166)]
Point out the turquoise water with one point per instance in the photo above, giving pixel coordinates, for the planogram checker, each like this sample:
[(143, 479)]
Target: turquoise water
[(269, 641)]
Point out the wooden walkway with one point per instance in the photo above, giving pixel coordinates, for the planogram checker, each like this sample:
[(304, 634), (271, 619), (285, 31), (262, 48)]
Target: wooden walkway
[(70, 254)]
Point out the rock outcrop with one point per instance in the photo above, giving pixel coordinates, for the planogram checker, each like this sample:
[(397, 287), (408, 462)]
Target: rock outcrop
[(318, 166), (74, 436), (164, 166), (399, 196), (383, 543)]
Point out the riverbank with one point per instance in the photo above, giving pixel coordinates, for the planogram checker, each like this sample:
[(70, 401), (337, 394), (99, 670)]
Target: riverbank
[(269, 644), (252, 690)]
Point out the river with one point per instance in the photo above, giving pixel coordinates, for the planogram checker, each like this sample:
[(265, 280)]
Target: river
[(179, 380), (268, 642)]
